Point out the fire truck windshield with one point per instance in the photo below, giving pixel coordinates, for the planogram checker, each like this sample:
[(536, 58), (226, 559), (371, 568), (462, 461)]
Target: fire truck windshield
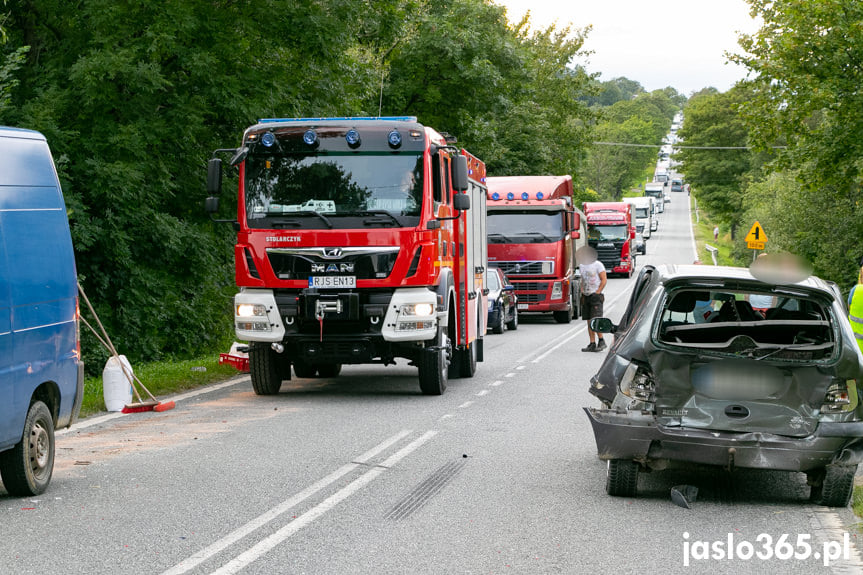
[(524, 227), (606, 233), (349, 190)]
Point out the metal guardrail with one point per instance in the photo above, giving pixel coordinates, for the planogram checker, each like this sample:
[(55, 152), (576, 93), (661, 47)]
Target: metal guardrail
[(713, 251)]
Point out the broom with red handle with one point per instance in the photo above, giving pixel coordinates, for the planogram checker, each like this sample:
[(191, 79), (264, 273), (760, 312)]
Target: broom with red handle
[(152, 404)]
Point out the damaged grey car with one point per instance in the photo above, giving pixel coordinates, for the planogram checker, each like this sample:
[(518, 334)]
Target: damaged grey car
[(711, 365)]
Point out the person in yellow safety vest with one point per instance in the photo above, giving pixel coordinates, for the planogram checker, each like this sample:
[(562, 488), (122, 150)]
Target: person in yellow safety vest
[(855, 309)]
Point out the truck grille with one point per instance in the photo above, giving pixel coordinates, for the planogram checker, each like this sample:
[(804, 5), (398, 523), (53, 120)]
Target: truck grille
[(530, 297), (365, 263), (531, 286), (526, 268)]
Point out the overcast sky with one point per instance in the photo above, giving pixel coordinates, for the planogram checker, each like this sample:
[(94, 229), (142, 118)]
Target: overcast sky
[(678, 43)]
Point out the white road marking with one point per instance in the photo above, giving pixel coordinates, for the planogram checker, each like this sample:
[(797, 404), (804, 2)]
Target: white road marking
[(483, 392), (510, 374), (465, 404), (496, 383), (246, 558), (287, 505), (446, 416), (520, 367)]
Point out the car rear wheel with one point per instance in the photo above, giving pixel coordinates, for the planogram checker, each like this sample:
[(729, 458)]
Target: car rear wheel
[(622, 478), (836, 487)]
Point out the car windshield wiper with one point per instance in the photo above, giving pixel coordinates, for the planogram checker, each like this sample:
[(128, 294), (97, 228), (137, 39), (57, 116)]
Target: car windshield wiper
[(500, 238), (289, 221)]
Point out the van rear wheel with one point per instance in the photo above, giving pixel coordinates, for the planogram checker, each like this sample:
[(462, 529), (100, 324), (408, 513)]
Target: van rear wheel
[(27, 468)]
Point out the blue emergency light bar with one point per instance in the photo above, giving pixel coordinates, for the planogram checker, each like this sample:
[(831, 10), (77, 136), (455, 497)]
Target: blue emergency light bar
[(345, 119)]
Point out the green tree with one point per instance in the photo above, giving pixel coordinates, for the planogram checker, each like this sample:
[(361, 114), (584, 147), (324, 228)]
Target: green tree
[(611, 169), (717, 175), (806, 62)]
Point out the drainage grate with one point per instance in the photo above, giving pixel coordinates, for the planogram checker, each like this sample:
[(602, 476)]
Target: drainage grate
[(425, 490)]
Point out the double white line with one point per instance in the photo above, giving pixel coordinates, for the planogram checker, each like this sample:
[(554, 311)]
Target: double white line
[(265, 545)]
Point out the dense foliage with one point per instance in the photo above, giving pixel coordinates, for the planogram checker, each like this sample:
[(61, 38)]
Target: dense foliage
[(642, 119), (799, 110), (134, 96)]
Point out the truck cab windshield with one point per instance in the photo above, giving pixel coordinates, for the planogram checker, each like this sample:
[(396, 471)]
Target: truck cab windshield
[(350, 190), (606, 233), (524, 227)]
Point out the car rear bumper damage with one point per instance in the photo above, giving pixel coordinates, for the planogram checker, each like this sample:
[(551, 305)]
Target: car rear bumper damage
[(637, 436)]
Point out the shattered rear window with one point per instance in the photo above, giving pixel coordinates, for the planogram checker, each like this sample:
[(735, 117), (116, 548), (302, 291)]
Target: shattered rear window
[(782, 325)]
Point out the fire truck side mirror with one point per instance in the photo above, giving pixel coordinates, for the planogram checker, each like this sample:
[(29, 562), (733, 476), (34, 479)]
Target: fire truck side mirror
[(576, 220), (211, 204), (459, 174), (461, 202), (214, 177)]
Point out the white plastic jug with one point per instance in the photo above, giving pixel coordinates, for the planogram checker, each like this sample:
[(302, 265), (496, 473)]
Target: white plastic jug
[(116, 385)]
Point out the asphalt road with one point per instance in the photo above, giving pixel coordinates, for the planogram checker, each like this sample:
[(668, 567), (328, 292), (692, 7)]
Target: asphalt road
[(362, 474)]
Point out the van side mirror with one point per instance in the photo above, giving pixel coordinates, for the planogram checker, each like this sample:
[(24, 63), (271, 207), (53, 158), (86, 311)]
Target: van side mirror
[(461, 201), (459, 174), (214, 177)]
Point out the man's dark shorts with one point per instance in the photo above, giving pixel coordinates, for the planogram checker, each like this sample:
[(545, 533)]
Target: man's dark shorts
[(591, 305)]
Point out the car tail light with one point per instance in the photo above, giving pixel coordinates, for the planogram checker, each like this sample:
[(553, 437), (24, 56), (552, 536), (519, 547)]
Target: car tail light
[(841, 397), (638, 383)]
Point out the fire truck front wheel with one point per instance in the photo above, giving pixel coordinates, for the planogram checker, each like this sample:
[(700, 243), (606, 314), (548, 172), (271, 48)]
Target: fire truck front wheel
[(266, 368), (433, 365)]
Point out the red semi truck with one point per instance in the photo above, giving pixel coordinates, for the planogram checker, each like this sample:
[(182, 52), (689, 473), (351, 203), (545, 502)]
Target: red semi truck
[(533, 232), (611, 231), (359, 240)]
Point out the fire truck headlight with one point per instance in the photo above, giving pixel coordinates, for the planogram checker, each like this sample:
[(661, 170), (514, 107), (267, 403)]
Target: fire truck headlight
[(557, 290), (418, 309), (251, 310)]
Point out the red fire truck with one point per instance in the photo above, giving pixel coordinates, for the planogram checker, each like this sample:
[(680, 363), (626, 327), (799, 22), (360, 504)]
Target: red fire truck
[(611, 231), (359, 240), (533, 232)]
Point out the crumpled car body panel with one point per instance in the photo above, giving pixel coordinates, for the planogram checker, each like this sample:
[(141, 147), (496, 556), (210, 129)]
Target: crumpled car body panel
[(745, 402)]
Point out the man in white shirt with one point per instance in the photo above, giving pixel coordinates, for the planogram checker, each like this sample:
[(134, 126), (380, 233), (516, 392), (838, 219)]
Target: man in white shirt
[(593, 280)]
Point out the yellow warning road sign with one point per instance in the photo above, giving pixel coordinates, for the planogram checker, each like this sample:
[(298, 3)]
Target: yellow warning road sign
[(756, 234)]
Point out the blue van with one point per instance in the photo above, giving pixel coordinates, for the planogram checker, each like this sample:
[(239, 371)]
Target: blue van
[(41, 372)]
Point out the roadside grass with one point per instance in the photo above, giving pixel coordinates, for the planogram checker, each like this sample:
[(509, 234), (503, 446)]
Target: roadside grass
[(162, 378), (703, 230), (857, 502)]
